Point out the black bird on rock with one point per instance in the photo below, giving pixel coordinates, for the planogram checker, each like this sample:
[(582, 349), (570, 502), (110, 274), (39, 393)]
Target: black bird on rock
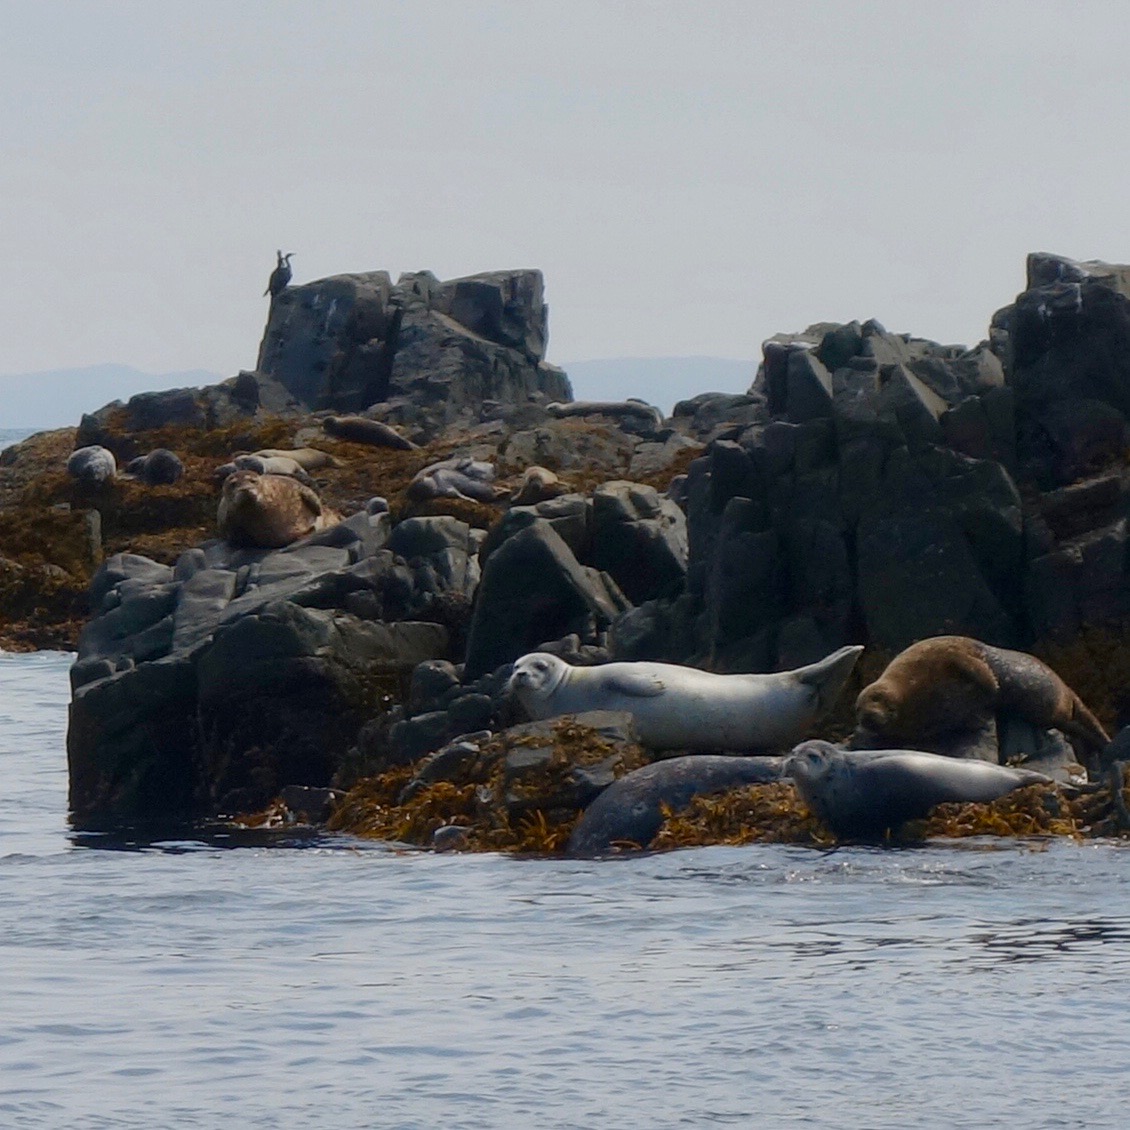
[(280, 276)]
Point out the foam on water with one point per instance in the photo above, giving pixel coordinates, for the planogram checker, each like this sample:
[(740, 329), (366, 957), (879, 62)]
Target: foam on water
[(182, 983)]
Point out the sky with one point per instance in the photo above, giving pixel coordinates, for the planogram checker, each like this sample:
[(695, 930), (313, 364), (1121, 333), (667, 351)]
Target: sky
[(691, 178)]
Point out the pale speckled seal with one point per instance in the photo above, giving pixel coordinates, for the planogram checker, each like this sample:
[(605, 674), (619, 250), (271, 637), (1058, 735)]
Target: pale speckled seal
[(92, 466), (457, 477), (861, 793), (269, 511), (360, 429), (630, 811), (954, 683), (677, 707)]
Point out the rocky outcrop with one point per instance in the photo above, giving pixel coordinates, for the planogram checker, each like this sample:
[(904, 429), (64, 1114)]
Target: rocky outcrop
[(869, 488), (429, 353)]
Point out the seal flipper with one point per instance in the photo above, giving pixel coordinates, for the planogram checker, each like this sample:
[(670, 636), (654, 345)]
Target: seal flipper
[(634, 684), (830, 674)]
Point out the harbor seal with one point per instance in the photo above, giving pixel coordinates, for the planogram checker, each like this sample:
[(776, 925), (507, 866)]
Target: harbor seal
[(308, 458), (161, 467), (677, 707), (630, 409), (92, 466), (360, 429), (458, 477), (269, 511), (861, 793), (630, 811), (538, 484), (954, 684)]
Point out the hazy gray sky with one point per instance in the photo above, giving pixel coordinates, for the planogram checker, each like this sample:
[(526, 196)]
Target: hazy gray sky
[(690, 177)]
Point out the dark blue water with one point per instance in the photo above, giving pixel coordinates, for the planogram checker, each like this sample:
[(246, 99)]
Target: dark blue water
[(339, 984)]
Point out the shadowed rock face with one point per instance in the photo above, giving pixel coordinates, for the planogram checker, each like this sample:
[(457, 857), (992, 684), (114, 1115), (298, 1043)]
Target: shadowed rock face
[(431, 352)]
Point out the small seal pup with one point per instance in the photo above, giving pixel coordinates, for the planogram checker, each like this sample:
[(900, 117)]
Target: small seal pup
[(360, 429), (861, 793), (679, 707), (269, 511), (630, 810), (92, 466), (953, 683)]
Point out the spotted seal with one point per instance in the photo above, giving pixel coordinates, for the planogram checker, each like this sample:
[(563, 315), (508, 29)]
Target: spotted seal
[(950, 684), (861, 793), (629, 812), (92, 466), (677, 707), (269, 511)]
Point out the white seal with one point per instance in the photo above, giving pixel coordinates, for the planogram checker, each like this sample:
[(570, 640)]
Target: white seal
[(679, 707)]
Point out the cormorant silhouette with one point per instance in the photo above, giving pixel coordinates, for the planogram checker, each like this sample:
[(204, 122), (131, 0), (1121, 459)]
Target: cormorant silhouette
[(280, 276)]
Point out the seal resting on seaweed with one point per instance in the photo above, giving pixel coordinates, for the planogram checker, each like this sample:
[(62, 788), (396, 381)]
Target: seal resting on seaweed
[(950, 684), (269, 511), (92, 466), (677, 707), (630, 811), (360, 429), (862, 792), (457, 477)]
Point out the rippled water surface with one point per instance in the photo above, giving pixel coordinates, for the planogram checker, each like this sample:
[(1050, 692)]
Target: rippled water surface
[(326, 983)]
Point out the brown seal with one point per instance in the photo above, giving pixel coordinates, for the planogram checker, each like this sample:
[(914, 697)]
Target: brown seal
[(952, 683), (360, 429), (538, 484), (269, 511)]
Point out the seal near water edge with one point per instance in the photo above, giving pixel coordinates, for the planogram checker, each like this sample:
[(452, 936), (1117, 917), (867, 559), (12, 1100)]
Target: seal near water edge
[(269, 511), (679, 707), (861, 793), (630, 810), (360, 429), (954, 683), (92, 466)]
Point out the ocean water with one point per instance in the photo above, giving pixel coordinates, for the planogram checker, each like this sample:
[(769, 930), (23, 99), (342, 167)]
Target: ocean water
[(323, 982)]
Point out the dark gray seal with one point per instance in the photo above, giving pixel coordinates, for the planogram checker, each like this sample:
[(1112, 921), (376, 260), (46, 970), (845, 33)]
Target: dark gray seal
[(628, 811), (360, 429), (92, 466), (161, 467), (861, 793)]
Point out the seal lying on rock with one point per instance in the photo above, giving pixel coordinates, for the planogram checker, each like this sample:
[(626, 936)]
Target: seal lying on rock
[(459, 477), (269, 511), (618, 409), (953, 683), (538, 484), (863, 792), (679, 707), (629, 811), (360, 429), (92, 466), (308, 458), (161, 467)]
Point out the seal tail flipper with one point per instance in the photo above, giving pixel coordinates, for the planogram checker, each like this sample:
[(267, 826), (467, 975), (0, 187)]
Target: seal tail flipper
[(1087, 727), (830, 674)]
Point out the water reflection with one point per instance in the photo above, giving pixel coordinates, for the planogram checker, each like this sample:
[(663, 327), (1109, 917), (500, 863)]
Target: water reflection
[(1032, 940)]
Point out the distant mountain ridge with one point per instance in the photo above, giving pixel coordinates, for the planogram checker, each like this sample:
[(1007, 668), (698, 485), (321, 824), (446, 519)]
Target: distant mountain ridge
[(662, 381), (57, 398)]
